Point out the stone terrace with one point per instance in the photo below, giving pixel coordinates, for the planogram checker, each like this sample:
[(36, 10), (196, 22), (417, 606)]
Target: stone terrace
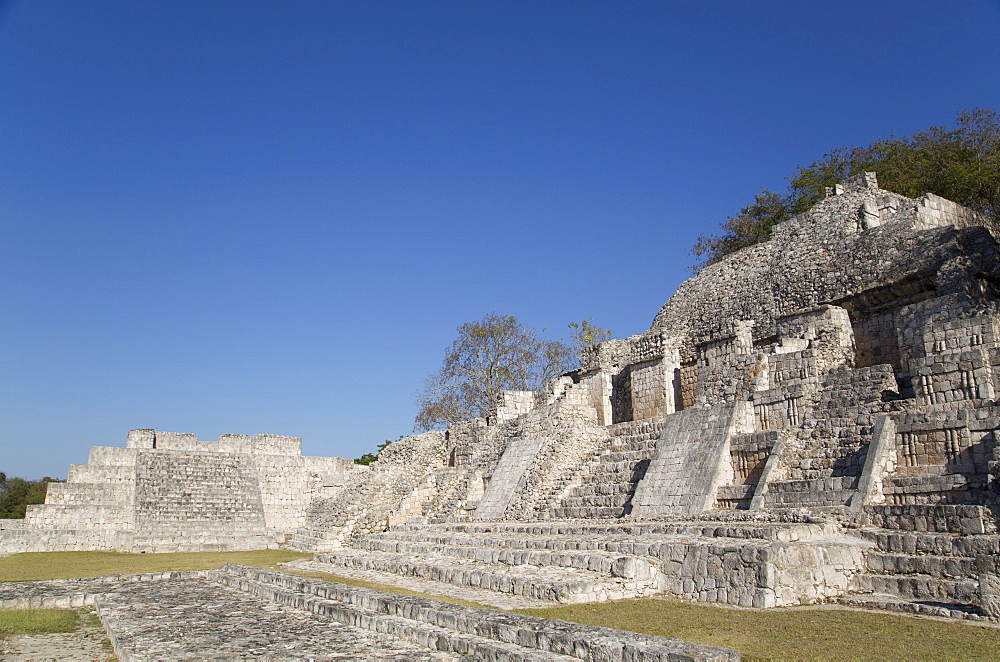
[(248, 613)]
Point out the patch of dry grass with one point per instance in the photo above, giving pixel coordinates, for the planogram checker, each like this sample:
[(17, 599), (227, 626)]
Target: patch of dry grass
[(37, 621), (66, 565), (801, 633)]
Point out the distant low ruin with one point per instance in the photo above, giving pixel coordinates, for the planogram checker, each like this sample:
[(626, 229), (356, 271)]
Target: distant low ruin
[(811, 419)]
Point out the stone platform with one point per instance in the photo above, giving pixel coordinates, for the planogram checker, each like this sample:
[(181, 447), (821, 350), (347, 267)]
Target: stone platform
[(742, 563), (240, 612)]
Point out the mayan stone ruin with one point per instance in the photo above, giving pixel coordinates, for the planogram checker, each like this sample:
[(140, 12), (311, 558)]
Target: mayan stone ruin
[(811, 419)]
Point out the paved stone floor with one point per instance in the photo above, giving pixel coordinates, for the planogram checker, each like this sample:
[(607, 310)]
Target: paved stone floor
[(196, 619)]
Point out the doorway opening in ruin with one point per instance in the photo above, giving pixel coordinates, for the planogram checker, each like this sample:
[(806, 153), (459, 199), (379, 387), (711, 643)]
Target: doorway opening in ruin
[(621, 396), (688, 375), (677, 390)]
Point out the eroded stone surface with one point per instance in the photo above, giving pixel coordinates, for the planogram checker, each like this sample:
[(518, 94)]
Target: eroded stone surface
[(198, 619)]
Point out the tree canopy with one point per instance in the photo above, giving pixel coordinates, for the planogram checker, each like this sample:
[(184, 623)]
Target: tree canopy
[(587, 334), (368, 458), (17, 493), (494, 354), (961, 164)]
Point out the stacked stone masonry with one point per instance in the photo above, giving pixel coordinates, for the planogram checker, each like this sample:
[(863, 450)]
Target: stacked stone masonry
[(812, 418)]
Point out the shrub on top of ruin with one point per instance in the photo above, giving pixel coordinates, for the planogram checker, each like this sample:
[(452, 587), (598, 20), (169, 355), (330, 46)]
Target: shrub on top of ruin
[(588, 334), (368, 458), (961, 164)]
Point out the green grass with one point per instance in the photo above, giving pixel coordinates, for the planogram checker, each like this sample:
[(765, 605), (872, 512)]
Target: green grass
[(65, 565), (801, 633), (37, 621)]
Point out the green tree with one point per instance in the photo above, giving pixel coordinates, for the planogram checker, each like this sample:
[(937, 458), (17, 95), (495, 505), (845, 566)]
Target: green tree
[(587, 334), (368, 458), (491, 355), (961, 164), (17, 493)]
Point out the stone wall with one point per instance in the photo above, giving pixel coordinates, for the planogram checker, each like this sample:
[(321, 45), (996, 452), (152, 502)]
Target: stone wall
[(170, 492)]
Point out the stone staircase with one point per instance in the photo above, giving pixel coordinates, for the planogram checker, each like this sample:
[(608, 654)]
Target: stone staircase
[(825, 474), (584, 561), (604, 485), (555, 575), (366, 507), (216, 507), (920, 561), (456, 498)]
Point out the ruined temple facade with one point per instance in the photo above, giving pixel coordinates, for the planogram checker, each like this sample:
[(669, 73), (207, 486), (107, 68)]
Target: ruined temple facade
[(811, 418), (850, 360)]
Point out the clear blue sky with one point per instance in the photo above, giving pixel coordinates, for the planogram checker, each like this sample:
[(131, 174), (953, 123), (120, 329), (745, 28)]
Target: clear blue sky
[(242, 216)]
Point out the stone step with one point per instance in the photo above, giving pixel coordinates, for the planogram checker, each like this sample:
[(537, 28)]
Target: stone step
[(111, 475), (918, 587), (963, 519), (31, 539), (598, 552), (87, 494), (898, 488), (603, 489), (312, 596), (551, 583), (939, 544), (614, 565), (519, 532), (586, 512), (807, 499), (837, 483), (596, 501), (311, 540), (638, 431), (480, 634), (946, 567), (192, 542), (895, 603), (621, 464), (77, 516)]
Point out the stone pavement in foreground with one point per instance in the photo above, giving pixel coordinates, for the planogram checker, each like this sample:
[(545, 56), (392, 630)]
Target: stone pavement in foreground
[(242, 613), (199, 619)]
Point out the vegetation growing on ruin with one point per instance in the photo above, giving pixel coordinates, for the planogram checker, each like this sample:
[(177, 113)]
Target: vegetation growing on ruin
[(17, 493), (368, 458), (588, 334), (961, 164), (799, 633), (494, 354)]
